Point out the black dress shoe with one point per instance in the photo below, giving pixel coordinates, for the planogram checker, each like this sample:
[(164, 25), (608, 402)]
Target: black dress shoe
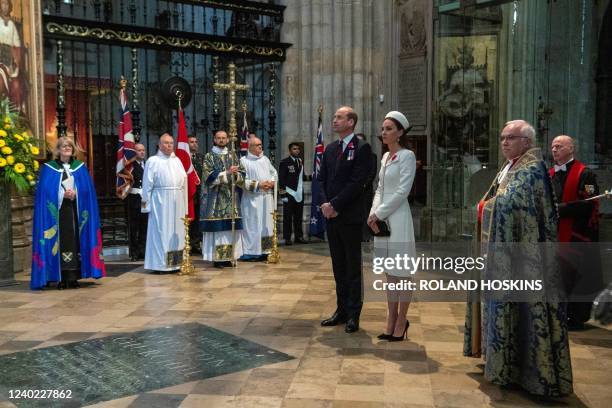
[(352, 325), (288, 243), (334, 320), (301, 241), (219, 265)]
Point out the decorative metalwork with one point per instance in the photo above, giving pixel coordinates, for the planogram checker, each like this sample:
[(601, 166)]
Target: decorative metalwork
[(248, 6), (187, 267), (216, 115), (135, 109), (232, 87), (61, 92), (156, 40), (272, 114), (274, 256)]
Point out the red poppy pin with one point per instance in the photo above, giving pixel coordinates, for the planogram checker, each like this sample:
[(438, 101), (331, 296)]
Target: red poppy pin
[(394, 157)]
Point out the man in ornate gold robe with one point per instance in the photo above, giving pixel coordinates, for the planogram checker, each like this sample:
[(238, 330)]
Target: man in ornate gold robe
[(524, 343)]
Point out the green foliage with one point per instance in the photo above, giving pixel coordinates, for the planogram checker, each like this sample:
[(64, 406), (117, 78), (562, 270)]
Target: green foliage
[(18, 164)]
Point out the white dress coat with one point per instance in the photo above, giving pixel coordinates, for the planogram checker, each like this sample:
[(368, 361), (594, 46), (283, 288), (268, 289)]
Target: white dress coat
[(391, 204), (164, 190)]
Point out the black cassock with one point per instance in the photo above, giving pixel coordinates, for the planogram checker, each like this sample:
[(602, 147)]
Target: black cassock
[(70, 255)]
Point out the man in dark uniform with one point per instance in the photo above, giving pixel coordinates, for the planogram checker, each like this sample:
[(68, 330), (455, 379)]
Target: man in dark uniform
[(197, 159), (137, 220), (290, 178), (344, 171), (579, 225)]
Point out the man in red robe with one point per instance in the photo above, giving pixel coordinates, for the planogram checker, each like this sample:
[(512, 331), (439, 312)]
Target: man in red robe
[(573, 182)]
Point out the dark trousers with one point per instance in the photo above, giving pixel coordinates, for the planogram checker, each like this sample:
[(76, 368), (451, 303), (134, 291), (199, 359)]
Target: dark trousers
[(195, 235), (137, 226), (345, 250), (292, 218)]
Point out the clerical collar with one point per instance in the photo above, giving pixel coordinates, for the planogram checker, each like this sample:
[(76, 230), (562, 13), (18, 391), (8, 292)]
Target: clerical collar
[(218, 150), (251, 156), (167, 156), (61, 163)]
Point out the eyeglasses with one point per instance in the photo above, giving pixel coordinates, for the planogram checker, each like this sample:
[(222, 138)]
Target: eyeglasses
[(510, 138), (258, 145)]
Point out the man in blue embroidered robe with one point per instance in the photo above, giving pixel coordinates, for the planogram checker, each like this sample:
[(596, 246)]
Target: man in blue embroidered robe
[(524, 343), (219, 245)]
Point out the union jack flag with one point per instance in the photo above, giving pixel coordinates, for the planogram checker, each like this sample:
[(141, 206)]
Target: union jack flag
[(317, 222), (126, 153)]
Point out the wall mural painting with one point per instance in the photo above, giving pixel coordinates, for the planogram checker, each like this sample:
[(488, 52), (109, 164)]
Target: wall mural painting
[(21, 61)]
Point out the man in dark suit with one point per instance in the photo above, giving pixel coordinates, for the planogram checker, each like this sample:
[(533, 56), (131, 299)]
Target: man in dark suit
[(137, 220), (197, 159), (344, 171), (290, 178), (366, 233)]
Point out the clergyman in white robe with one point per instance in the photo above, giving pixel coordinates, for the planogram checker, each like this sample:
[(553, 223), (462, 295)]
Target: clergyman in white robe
[(164, 197), (257, 206)]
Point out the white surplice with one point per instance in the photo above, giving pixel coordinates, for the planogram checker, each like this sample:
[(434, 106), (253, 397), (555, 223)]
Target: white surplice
[(257, 205), (164, 191)]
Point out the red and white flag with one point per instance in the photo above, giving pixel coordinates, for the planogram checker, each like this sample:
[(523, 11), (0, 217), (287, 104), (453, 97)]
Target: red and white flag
[(182, 152)]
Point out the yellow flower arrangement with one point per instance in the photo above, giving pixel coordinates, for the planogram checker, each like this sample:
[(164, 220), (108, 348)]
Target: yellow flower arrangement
[(18, 165)]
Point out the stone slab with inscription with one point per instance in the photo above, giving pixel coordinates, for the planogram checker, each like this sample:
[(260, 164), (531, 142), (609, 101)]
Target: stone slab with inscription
[(132, 363), (413, 91)]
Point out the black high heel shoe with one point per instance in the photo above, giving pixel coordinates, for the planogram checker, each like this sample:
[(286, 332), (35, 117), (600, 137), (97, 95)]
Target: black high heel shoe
[(403, 336)]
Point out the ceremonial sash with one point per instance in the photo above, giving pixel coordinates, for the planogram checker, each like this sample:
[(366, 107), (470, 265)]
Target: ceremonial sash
[(570, 193)]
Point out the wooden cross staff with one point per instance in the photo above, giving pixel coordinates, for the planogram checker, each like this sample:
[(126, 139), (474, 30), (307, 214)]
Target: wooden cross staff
[(232, 87)]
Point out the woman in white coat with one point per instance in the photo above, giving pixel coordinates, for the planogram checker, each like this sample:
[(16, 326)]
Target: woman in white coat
[(390, 204)]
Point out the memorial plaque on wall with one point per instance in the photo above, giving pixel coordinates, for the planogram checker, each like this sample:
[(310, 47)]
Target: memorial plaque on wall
[(412, 90)]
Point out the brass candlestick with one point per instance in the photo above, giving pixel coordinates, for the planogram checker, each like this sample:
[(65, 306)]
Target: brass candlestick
[(187, 267), (274, 256)]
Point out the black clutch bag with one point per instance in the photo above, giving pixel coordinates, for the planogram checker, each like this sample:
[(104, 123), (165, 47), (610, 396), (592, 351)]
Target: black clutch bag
[(383, 229)]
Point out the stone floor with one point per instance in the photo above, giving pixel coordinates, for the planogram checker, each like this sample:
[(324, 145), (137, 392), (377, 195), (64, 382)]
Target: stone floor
[(280, 306)]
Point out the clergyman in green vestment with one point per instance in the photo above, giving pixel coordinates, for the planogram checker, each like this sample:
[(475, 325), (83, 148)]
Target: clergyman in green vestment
[(219, 245), (524, 344)]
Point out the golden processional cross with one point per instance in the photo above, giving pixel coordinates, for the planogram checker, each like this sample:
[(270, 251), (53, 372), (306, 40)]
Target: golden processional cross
[(232, 87)]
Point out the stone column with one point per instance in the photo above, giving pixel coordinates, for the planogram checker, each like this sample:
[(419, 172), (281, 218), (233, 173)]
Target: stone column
[(341, 55)]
